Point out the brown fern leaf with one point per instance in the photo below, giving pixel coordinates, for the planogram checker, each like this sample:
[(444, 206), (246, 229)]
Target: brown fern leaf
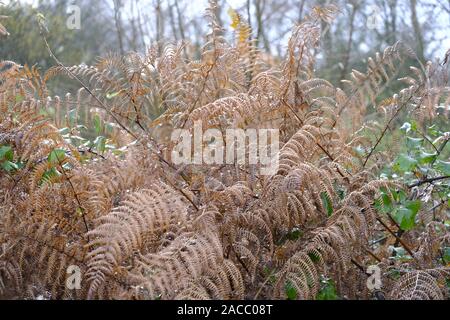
[(139, 223), (421, 285)]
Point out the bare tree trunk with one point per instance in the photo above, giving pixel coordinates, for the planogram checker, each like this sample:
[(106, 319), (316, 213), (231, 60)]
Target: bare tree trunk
[(159, 24), (118, 23), (180, 21), (393, 13), (417, 30), (134, 29), (172, 21), (348, 49), (141, 29), (218, 7), (259, 8), (249, 16), (301, 7), (327, 38)]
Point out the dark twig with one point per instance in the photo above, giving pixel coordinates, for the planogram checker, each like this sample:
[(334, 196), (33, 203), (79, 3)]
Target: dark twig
[(396, 237), (429, 180)]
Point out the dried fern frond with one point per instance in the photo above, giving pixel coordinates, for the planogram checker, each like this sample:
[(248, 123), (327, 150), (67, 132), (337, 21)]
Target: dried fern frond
[(138, 223), (191, 263), (421, 285)]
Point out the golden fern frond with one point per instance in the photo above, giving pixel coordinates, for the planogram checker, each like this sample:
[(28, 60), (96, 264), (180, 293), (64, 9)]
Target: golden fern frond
[(190, 262), (138, 223), (93, 76), (300, 148), (8, 71), (39, 253), (237, 111), (366, 87)]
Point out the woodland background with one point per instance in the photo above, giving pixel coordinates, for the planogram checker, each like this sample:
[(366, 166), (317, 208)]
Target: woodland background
[(362, 28)]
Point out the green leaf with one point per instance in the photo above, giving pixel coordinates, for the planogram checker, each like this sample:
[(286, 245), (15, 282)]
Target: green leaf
[(19, 98), (443, 167), (112, 94), (432, 130), (48, 175), (328, 291), (290, 291), (378, 204), (326, 201), (9, 166), (406, 214), (72, 117), (425, 157), (399, 195), (314, 257), (79, 212), (6, 153), (413, 143), (394, 274), (100, 144), (400, 254), (446, 255), (414, 206), (387, 202), (57, 156), (294, 234), (98, 124), (405, 163), (341, 194), (384, 202)]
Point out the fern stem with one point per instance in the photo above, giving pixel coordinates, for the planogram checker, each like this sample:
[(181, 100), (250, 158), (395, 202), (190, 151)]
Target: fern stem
[(74, 193), (383, 133)]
